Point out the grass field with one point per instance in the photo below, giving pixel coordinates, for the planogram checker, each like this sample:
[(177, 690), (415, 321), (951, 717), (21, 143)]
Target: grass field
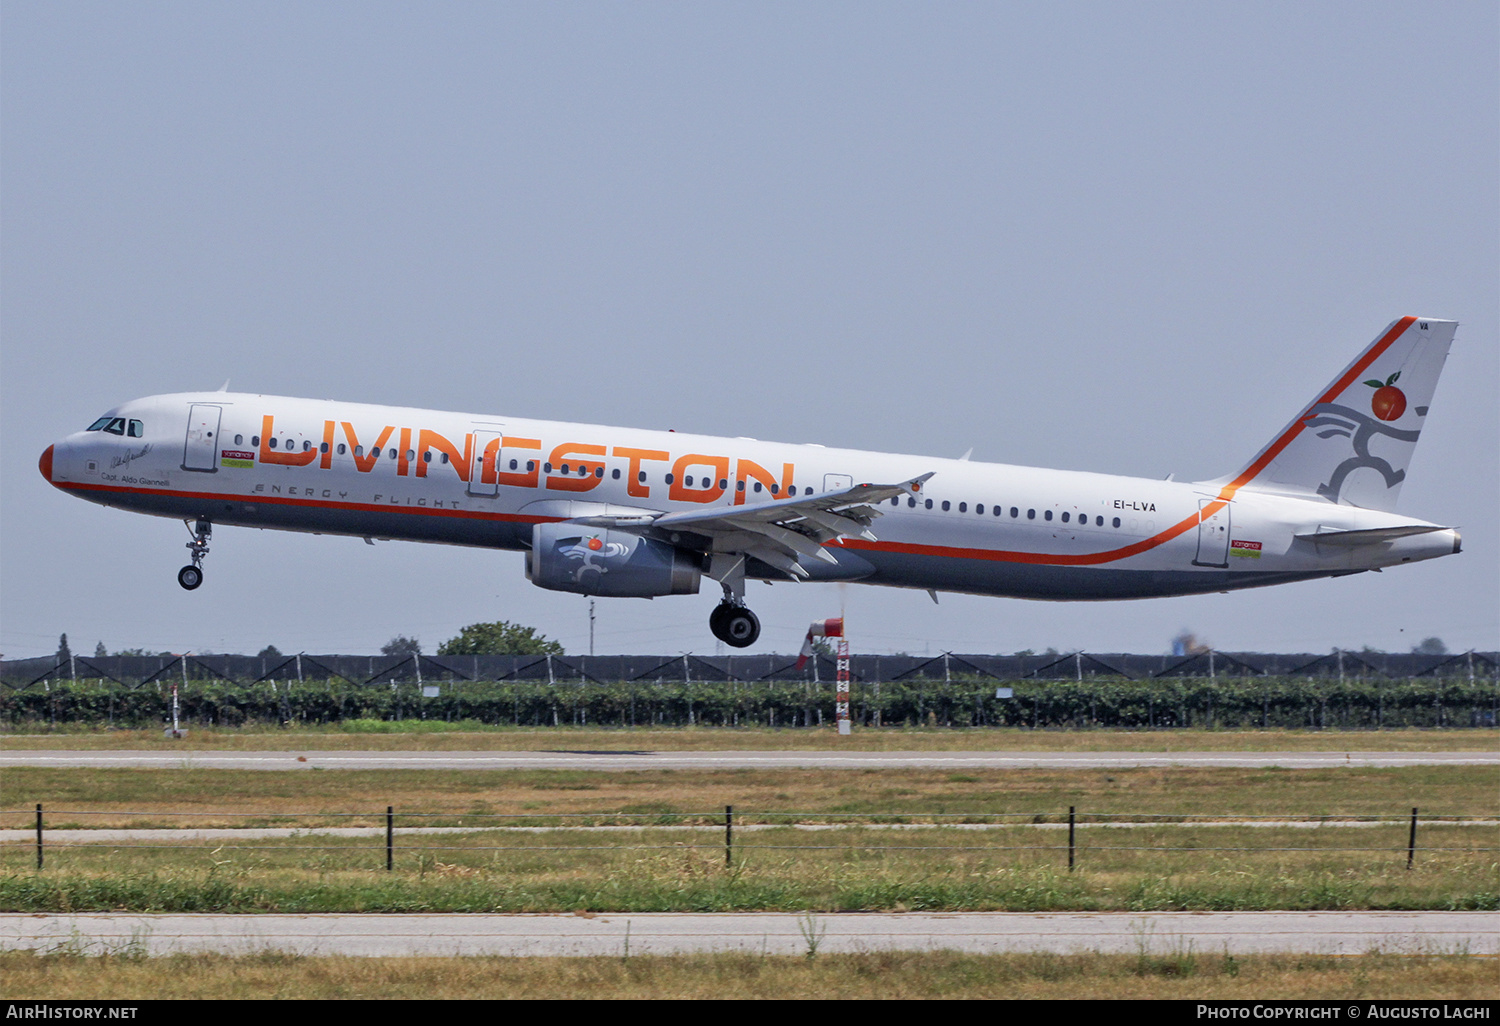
[(225, 797), (899, 975), (1023, 867), (1020, 869), (434, 735)]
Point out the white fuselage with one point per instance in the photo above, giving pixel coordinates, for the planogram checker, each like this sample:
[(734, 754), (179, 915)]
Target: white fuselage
[(985, 528)]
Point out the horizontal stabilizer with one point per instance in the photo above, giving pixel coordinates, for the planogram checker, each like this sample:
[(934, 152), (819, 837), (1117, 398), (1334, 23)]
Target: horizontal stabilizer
[(1370, 536)]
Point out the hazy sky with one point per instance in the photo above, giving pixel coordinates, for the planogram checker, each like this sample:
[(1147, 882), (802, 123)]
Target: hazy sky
[(1131, 238)]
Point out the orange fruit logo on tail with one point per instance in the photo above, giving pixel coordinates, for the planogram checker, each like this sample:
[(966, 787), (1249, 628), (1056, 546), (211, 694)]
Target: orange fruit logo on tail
[(1389, 402)]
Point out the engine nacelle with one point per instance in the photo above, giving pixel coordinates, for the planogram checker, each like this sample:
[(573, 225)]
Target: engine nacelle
[(598, 561)]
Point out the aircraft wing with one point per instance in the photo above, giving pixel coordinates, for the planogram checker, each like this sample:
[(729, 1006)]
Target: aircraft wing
[(775, 533)]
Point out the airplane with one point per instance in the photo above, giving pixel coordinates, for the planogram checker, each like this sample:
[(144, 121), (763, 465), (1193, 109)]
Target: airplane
[(635, 513)]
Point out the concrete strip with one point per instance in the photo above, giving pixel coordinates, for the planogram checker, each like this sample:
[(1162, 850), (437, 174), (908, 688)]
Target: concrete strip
[(613, 934)]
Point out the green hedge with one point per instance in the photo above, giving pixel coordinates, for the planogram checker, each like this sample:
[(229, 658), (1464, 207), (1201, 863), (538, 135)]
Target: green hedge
[(962, 702)]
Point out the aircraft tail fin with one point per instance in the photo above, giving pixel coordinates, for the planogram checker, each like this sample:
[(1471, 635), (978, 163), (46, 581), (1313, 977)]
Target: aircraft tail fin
[(1351, 445)]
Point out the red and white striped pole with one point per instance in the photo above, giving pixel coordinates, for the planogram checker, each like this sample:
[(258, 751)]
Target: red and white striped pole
[(841, 689), (832, 629)]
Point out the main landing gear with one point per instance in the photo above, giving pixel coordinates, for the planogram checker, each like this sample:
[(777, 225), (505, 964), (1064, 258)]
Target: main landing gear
[(734, 624), (192, 575)]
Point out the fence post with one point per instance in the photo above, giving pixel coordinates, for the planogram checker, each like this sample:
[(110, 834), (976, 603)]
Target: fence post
[(1410, 840), (39, 835), (728, 836), (1072, 825), (390, 837)]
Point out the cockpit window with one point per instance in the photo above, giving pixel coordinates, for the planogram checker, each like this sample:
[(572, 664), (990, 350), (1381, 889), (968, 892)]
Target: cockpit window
[(115, 426), (137, 429)]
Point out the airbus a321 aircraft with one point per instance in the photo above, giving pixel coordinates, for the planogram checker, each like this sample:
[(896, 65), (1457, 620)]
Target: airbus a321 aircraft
[(623, 512)]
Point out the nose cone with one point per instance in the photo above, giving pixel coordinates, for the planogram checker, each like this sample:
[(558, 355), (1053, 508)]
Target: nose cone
[(45, 464)]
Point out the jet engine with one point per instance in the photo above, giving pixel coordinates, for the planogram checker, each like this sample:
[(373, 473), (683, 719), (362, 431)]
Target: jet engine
[(598, 561)]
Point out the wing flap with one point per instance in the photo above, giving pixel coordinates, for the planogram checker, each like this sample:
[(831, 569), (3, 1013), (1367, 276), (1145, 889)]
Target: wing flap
[(777, 532)]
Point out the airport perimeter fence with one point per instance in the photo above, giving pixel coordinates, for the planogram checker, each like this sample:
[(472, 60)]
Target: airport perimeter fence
[(420, 839)]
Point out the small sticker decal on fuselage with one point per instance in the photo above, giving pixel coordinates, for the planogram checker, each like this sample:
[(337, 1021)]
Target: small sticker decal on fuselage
[(1245, 549), (236, 458)]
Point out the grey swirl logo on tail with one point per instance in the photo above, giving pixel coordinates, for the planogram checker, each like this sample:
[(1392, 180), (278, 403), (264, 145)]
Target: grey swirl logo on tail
[(1329, 420)]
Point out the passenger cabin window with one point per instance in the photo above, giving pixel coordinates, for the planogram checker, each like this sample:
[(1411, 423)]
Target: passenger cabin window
[(1065, 518), (273, 443), (613, 473), (342, 449), (240, 440), (1047, 515), (945, 505)]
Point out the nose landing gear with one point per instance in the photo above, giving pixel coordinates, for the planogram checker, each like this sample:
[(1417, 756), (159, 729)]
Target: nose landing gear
[(192, 575), (734, 624)]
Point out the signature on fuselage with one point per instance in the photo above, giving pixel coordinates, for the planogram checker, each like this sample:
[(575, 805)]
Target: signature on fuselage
[(125, 458)]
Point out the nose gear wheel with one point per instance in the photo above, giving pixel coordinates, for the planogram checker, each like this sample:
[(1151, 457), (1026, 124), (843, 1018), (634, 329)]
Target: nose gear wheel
[(192, 575)]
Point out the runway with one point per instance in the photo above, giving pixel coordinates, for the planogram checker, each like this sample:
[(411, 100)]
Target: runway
[(1335, 933), (627, 759)]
